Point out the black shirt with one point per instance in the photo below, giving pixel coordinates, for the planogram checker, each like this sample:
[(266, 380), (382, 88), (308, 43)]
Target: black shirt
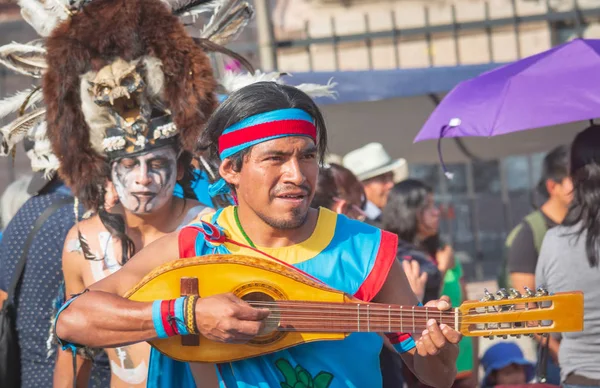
[(522, 254)]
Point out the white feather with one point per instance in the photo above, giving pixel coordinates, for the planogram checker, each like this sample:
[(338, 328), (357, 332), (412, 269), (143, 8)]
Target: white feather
[(44, 17), (234, 81), (38, 132), (194, 12), (43, 162), (317, 90), (29, 65), (13, 104), (15, 131), (41, 155)]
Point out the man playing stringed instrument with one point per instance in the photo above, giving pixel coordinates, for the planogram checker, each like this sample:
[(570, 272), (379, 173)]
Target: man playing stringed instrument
[(269, 139)]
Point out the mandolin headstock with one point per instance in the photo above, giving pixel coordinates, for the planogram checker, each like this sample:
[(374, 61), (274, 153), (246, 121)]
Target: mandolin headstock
[(510, 313)]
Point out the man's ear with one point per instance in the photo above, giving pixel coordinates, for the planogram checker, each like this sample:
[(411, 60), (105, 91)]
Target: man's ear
[(227, 172)]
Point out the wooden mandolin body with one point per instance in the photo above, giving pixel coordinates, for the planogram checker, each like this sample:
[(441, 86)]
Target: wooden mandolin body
[(246, 277)]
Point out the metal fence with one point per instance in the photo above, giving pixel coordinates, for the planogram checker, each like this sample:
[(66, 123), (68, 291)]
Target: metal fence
[(566, 21)]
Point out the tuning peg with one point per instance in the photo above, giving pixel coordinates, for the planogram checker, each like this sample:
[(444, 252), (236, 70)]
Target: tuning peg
[(490, 337), (504, 336), (487, 296), (514, 294), (528, 292), (502, 294), (541, 291)]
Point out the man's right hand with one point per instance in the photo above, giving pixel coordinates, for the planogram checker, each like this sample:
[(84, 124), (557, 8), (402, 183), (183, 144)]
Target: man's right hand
[(226, 318)]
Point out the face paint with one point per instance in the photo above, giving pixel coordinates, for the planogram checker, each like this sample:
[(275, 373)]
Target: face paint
[(145, 182)]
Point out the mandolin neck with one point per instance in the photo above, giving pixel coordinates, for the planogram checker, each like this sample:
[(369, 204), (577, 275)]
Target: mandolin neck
[(325, 317)]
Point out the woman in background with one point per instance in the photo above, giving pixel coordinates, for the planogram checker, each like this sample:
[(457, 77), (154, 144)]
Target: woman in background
[(339, 190), (411, 213), (569, 259)]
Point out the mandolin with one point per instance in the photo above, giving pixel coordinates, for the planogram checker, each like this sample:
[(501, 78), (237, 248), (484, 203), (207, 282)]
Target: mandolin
[(304, 310)]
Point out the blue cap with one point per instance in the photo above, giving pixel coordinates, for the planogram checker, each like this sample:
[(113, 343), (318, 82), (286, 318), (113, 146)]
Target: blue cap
[(502, 355)]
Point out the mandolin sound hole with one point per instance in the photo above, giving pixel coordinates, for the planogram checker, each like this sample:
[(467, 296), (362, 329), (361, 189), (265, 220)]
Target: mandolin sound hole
[(269, 334)]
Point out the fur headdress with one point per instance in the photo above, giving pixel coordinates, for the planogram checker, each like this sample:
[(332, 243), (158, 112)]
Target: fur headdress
[(112, 69), (118, 77)]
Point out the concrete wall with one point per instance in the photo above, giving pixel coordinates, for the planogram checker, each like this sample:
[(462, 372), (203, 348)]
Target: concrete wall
[(294, 19)]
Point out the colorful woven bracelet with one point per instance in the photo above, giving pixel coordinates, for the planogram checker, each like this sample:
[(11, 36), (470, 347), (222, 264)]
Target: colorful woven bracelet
[(190, 314), (169, 317)]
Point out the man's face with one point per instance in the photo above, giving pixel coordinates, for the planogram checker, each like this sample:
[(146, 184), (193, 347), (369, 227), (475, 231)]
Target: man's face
[(562, 191), (277, 180), (378, 188), (145, 182), (429, 218)]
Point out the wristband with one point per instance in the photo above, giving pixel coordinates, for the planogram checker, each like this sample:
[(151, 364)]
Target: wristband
[(175, 316), (190, 314)]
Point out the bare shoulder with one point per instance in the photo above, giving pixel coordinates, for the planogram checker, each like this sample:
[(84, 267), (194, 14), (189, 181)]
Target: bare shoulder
[(160, 251), (88, 227)]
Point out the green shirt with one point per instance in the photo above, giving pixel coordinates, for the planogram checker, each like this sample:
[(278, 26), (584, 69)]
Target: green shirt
[(452, 288)]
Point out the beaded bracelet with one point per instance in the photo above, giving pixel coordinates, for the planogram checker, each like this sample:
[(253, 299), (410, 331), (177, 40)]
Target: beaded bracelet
[(175, 316)]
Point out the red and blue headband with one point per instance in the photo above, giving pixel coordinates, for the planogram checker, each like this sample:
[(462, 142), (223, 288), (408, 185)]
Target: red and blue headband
[(264, 127)]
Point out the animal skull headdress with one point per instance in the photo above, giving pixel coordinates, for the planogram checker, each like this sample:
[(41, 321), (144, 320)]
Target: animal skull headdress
[(119, 77)]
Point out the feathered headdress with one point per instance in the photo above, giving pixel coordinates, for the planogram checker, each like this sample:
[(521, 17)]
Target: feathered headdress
[(118, 77)]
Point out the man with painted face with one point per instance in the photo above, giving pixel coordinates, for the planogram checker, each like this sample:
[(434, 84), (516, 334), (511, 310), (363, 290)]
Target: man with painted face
[(269, 139), (143, 182)]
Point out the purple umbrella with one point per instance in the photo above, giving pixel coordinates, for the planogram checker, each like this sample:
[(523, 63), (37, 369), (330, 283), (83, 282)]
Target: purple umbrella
[(557, 86)]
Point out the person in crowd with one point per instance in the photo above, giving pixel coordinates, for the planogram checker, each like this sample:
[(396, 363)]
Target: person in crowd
[(339, 190), (411, 213), (273, 178), (524, 241), (503, 364), (378, 172), (455, 286), (569, 259), (42, 276)]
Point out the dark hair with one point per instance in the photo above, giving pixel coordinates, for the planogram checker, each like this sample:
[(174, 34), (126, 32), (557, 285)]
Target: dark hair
[(347, 184), (326, 189), (251, 100), (115, 224), (405, 202), (555, 167), (337, 181), (584, 210)]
